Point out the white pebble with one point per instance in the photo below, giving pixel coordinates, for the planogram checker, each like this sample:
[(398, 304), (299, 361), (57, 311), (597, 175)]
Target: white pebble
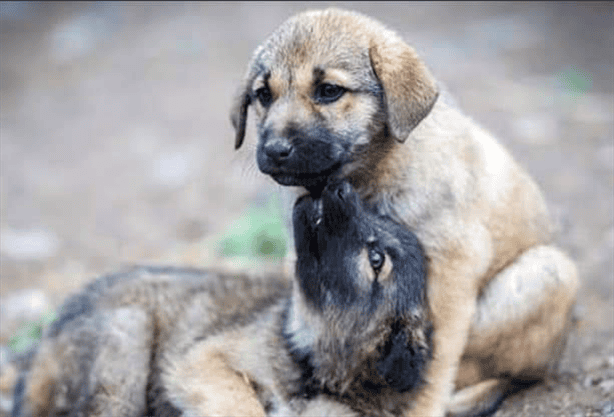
[(30, 244)]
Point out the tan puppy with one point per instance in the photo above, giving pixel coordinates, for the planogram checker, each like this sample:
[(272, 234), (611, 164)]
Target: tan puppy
[(337, 93), (349, 337)]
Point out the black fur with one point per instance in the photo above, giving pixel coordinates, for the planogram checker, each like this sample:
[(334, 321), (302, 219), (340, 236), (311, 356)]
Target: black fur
[(328, 243), (310, 154), (401, 364), (331, 230)]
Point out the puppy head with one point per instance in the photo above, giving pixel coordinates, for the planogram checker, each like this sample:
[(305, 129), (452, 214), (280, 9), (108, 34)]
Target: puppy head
[(359, 307), (325, 86)]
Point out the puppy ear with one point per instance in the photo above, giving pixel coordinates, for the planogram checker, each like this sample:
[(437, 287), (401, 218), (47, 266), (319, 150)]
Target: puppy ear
[(410, 89), (238, 114)]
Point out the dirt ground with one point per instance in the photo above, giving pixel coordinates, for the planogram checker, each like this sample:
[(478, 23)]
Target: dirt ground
[(116, 145)]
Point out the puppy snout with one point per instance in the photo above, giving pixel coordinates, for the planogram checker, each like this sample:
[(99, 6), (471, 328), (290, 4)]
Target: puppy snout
[(278, 151)]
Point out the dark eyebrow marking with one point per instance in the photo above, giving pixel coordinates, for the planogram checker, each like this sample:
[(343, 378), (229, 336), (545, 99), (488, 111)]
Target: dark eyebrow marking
[(265, 77), (318, 75)]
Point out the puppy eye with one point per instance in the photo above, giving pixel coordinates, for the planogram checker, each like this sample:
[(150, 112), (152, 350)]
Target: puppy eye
[(264, 96), (376, 259), (328, 93)]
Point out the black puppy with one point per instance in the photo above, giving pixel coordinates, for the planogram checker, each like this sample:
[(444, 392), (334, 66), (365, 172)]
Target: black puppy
[(350, 335), (365, 274)]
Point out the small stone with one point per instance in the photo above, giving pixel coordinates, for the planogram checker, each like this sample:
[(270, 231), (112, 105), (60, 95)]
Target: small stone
[(30, 244), (607, 386), (27, 304), (6, 404)]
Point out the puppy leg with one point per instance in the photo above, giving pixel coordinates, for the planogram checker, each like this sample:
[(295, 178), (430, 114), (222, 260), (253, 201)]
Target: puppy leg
[(96, 366), (519, 331), (452, 298), (203, 383), (480, 399)]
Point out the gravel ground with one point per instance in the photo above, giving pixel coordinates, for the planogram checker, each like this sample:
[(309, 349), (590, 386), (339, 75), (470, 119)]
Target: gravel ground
[(116, 146)]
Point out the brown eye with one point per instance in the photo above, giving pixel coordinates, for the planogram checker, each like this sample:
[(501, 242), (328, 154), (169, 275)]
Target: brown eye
[(376, 259), (264, 96), (329, 93)]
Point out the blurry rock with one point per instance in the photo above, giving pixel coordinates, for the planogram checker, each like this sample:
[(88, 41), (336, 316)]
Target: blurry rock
[(29, 244), (607, 386), (6, 405), (607, 409)]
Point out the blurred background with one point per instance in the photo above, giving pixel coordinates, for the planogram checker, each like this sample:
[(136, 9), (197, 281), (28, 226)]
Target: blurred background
[(116, 148)]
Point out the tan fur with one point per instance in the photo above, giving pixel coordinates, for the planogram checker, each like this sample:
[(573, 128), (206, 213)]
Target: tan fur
[(420, 160), (204, 383), (111, 351)]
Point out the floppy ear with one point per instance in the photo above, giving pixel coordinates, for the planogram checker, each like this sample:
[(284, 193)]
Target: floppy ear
[(410, 89), (238, 114)]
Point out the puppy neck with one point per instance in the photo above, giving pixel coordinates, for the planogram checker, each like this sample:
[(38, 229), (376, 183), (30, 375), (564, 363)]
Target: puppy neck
[(383, 168), (300, 339), (301, 326)]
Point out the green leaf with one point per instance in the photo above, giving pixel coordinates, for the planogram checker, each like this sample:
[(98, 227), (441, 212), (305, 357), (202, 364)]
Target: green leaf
[(260, 232), (575, 80), (30, 333)]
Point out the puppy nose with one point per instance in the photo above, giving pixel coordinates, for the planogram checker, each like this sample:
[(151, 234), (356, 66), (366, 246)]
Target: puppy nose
[(278, 150)]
